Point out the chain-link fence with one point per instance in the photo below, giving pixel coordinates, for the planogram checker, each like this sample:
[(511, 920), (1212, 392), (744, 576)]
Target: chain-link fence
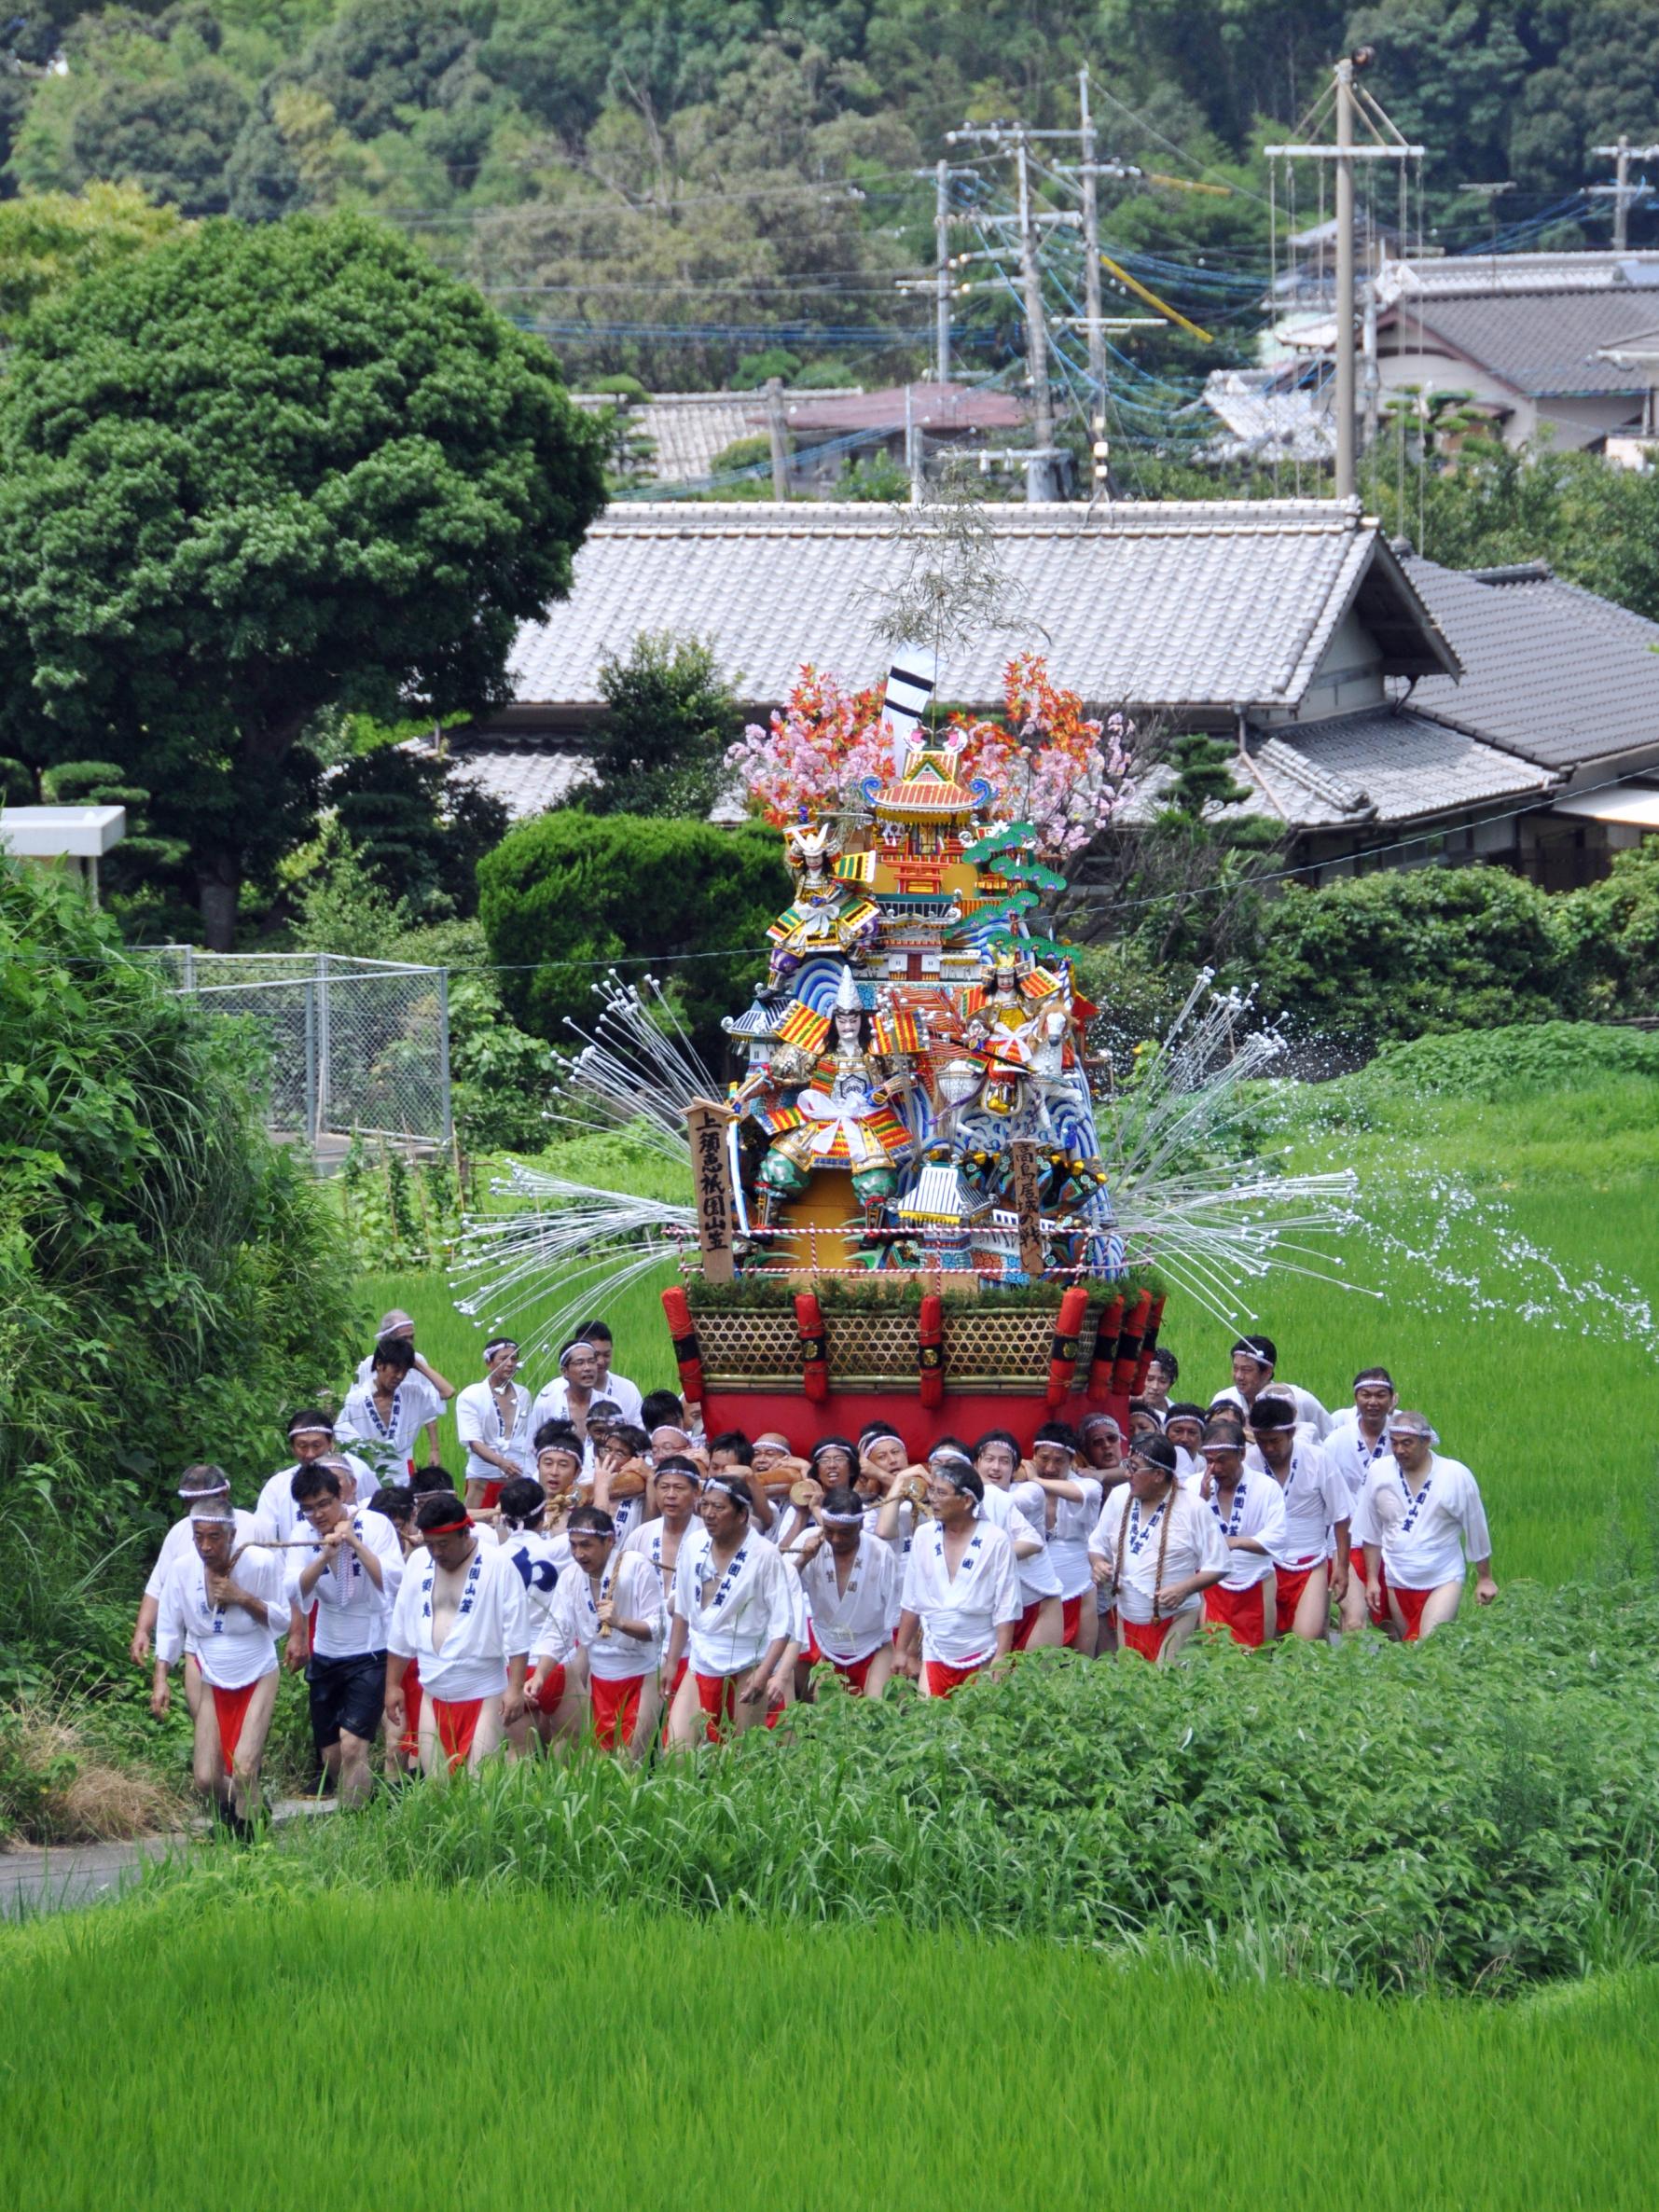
[(355, 1046)]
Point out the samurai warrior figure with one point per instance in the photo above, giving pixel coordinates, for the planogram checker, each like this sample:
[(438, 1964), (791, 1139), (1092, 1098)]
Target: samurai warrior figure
[(837, 1114)]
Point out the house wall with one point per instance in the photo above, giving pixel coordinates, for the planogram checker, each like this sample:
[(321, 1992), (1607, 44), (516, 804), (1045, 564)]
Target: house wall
[(1350, 675)]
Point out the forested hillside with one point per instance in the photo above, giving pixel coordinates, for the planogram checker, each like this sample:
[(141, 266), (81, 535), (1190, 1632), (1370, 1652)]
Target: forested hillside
[(661, 183)]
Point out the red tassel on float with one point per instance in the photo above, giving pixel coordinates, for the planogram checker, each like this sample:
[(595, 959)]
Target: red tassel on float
[(1062, 1354), (688, 1351), (929, 1350), (809, 1321), (1129, 1343), (1100, 1367), (1149, 1344)]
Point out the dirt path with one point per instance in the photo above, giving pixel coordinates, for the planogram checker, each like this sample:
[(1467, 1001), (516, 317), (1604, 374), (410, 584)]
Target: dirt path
[(51, 1880)]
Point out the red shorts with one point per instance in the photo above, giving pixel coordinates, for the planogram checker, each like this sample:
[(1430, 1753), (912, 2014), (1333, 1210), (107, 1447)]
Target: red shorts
[(492, 1494), (1242, 1613), (1293, 1580), (546, 1699), (1028, 1620), (943, 1680), (230, 1708), (718, 1694), (457, 1723), (855, 1673), (408, 1743), (814, 1651), (1070, 1617), (1145, 1636), (1410, 1604), (616, 1706)]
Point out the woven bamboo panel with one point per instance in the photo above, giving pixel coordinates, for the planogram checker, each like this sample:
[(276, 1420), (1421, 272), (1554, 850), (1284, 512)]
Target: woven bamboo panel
[(749, 1346), (982, 1345)]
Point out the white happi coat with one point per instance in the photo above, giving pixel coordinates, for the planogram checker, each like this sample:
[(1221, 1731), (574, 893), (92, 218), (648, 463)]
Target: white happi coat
[(491, 1626)]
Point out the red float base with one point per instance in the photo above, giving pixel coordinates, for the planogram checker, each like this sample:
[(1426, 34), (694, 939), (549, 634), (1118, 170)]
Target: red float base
[(965, 1413)]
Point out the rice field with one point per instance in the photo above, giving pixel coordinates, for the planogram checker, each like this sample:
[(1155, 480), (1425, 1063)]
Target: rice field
[(416, 2050), (1545, 1406)]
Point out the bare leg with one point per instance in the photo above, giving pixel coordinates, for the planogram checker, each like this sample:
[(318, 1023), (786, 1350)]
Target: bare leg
[(645, 1727), (1354, 1614), (249, 1747), (1180, 1631), (1088, 1626), (685, 1715), (207, 1769), (1269, 1607), (1048, 1629), (745, 1717), (489, 1736), (881, 1672), (193, 1688), (1441, 1608), (1313, 1609), (351, 1762)]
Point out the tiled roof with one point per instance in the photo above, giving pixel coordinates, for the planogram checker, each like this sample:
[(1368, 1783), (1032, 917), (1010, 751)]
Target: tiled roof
[(690, 428), (1184, 605), (1264, 418), (1539, 343), (1598, 270), (937, 408), (527, 778), (1386, 765), (1554, 674)]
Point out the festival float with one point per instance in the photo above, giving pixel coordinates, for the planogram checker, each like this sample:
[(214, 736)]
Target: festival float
[(921, 1191), (902, 1209)]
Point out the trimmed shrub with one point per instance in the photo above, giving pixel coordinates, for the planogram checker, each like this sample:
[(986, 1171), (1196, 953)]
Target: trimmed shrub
[(562, 896), (1402, 955)]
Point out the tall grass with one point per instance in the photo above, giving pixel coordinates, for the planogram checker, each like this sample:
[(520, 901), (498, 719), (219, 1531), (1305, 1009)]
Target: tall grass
[(423, 2050), (1478, 1812)]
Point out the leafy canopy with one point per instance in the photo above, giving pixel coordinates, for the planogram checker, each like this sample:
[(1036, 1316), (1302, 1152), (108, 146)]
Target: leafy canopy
[(257, 473)]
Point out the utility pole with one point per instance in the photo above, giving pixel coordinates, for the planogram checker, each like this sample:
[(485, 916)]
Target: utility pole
[(1040, 476), (776, 437), (1345, 278), (1091, 256), (942, 254), (1026, 224), (1344, 154), (1623, 192)]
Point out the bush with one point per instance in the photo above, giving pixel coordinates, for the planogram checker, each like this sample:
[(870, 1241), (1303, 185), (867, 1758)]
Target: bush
[(564, 895), (1402, 955), (1614, 925), (1530, 1062), (170, 1287)]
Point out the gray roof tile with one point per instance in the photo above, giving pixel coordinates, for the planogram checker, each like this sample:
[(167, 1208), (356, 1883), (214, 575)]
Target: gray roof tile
[(1554, 674), (1537, 343), (1177, 604)]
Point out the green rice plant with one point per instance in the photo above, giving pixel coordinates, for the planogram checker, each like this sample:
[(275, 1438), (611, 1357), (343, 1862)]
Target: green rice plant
[(424, 2049), (1481, 1812)]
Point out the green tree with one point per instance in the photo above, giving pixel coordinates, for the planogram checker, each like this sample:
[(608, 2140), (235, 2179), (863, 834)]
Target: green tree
[(256, 473), (1489, 506), (50, 240), (671, 715), (418, 828), (381, 69), (564, 895)]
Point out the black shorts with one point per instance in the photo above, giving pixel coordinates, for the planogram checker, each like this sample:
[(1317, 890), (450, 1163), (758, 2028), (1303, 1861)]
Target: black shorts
[(348, 1694)]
